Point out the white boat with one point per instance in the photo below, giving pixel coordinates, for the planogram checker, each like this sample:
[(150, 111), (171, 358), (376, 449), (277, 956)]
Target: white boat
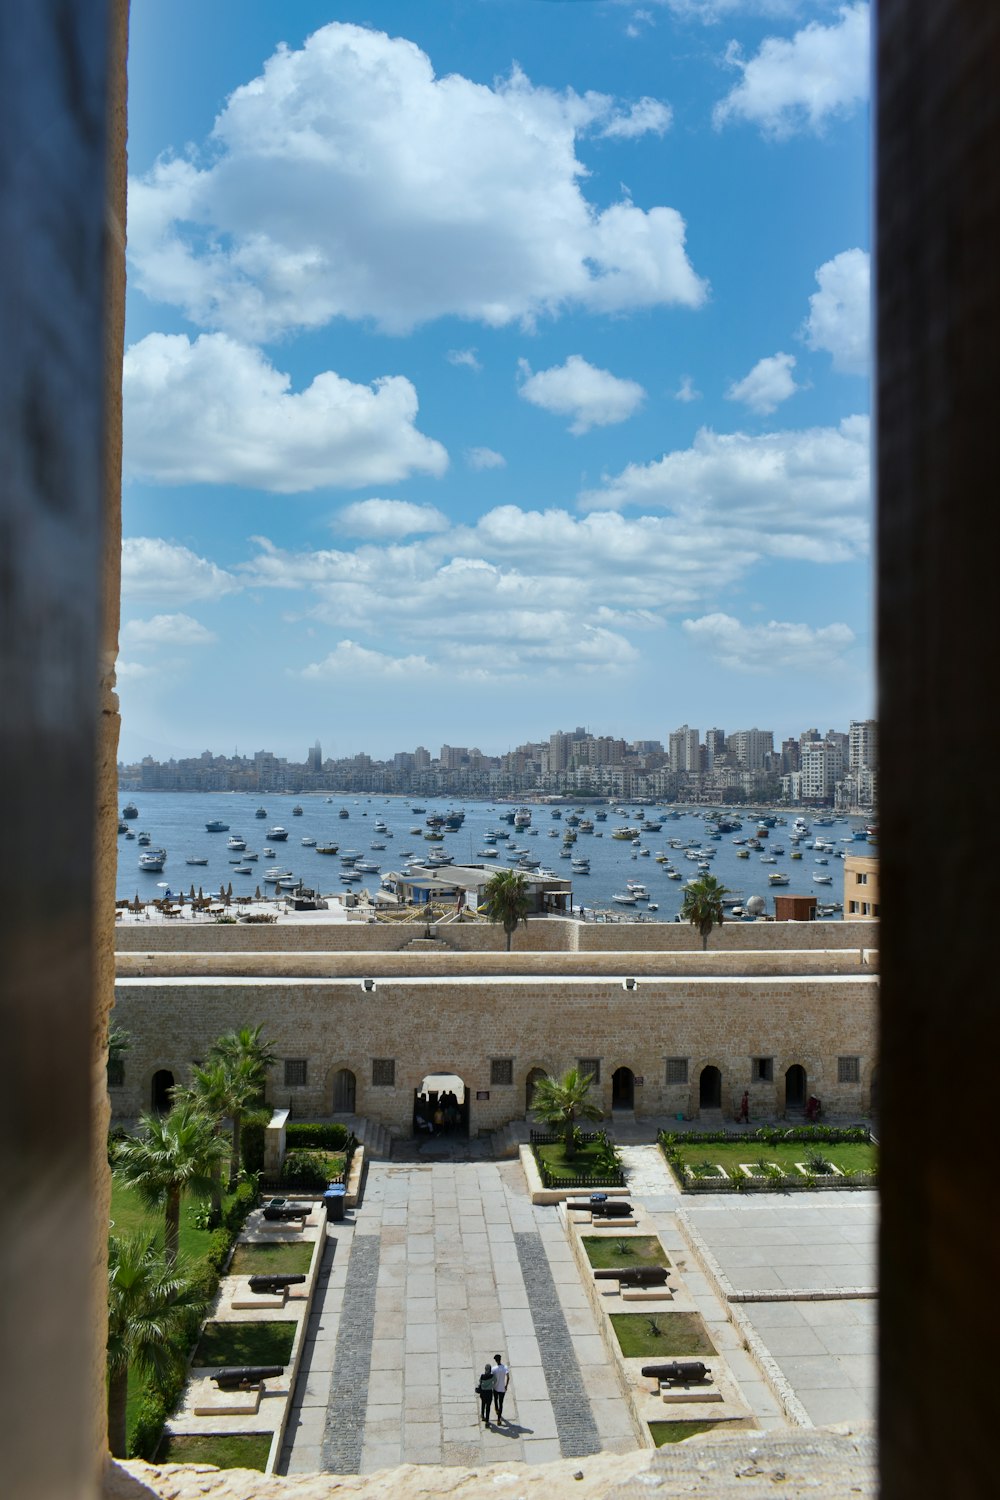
[(823, 879), (271, 876), (196, 861), (236, 841), (268, 853), (377, 844), (242, 870), (486, 854), (277, 834), (522, 818), (776, 878), (309, 843), (152, 860), (624, 898), (249, 857)]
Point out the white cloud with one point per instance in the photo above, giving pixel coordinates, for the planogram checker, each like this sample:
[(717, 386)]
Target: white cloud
[(166, 630), (465, 357), (389, 519), (775, 648), (645, 117), (349, 659), (686, 391), (768, 384), (133, 671), (156, 569), (794, 494), (592, 397), (800, 84), (709, 11), (348, 181), (839, 318), (217, 412), (484, 458)]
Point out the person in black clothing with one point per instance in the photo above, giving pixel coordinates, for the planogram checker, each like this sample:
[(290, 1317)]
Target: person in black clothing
[(484, 1390)]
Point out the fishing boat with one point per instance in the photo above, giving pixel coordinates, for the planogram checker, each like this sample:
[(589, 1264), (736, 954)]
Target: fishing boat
[(130, 810), (216, 825), (236, 841), (196, 860), (145, 840), (327, 848), (277, 834), (152, 860), (261, 812), (296, 811)]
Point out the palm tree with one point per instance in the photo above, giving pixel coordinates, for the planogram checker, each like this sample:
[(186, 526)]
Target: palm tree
[(702, 905), (505, 900), (174, 1153), (247, 1057), (562, 1101), (149, 1311), (212, 1093)]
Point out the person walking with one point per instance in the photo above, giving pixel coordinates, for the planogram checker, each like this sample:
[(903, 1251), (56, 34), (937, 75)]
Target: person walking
[(484, 1390), (501, 1376)]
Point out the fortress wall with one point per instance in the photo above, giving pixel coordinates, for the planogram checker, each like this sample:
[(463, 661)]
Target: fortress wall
[(542, 935), (460, 1025), (438, 961)]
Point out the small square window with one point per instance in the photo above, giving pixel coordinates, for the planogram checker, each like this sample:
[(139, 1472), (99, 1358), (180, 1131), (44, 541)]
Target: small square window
[(677, 1070), (383, 1072), (501, 1071), (861, 879), (591, 1065), (848, 1069), (852, 907), (116, 1072), (763, 1070), (295, 1073)]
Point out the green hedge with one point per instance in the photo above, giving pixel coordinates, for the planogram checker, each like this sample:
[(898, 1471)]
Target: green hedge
[(303, 1135), (772, 1135)]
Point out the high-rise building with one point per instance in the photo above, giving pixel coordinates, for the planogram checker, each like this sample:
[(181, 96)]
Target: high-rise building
[(314, 758), (685, 750), (715, 744), (863, 750), (752, 747), (822, 767)]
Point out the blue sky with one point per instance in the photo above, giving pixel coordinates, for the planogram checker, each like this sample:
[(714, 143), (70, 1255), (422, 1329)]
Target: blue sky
[(493, 367)]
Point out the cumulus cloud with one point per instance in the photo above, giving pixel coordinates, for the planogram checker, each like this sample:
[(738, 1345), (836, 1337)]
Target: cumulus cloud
[(215, 411), (389, 518), (686, 390), (349, 659), (592, 397), (133, 671), (839, 318), (156, 569), (768, 384), (348, 181), (802, 493), (167, 630), (484, 458), (465, 357), (770, 649), (801, 83)]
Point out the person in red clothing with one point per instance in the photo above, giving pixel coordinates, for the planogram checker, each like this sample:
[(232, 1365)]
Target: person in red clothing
[(744, 1114)]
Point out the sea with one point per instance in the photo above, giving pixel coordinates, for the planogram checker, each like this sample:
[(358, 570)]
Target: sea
[(176, 822)]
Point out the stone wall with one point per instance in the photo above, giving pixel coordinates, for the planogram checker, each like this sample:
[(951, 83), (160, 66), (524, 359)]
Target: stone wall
[(463, 1025)]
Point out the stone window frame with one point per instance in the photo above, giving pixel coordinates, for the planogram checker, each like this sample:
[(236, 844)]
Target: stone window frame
[(116, 1072), (848, 1070), (501, 1072), (676, 1071), (383, 1072), (590, 1065), (762, 1069), (296, 1072)]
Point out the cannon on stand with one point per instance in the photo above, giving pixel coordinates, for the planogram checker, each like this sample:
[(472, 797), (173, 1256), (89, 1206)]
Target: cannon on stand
[(280, 1209), (600, 1206), (268, 1284), (679, 1372), (245, 1377), (634, 1275)]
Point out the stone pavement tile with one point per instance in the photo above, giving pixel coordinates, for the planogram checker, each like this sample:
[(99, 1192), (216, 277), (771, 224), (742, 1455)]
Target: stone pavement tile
[(421, 1404), (742, 1366), (565, 1273), (418, 1369), (589, 1348), (613, 1418), (766, 1315), (452, 1295), (784, 1341), (420, 1310), (579, 1320), (839, 1313), (527, 1384), (422, 1338), (460, 1455), (420, 1284), (381, 1456), (458, 1357), (385, 1385), (517, 1320), (314, 1390), (522, 1351), (537, 1417), (571, 1296), (304, 1458), (457, 1384), (541, 1450), (849, 1339), (859, 1369), (307, 1426), (761, 1401), (811, 1372), (318, 1355), (839, 1404), (601, 1383), (387, 1354)]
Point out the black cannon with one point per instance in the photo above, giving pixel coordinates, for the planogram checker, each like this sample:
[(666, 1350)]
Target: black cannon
[(601, 1207), (635, 1275), (245, 1377), (679, 1372), (280, 1209), (277, 1282)]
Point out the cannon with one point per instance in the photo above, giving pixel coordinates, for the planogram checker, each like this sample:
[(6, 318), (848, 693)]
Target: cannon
[(279, 1209), (276, 1282), (245, 1377), (635, 1275), (679, 1372), (600, 1206)]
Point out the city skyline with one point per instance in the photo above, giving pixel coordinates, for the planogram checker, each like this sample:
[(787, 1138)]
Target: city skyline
[(488, 364)]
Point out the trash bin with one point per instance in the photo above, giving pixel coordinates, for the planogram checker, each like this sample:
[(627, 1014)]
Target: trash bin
[(334, 1200)]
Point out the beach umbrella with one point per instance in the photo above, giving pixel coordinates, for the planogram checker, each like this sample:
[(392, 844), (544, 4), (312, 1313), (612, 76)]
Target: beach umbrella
[(192, 890), (256, 894), (229, 892), (201, 896)]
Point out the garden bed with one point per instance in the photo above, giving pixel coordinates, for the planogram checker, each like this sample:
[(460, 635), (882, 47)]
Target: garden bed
[(630, 1250), (666, 1335), (236, 1450), (591, 1165), (772, 1160), (676, 1432), (272, 1260), (245, 1344)]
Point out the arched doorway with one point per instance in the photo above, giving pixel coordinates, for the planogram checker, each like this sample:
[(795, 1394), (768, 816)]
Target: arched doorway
[(344, 1091), (710, 1088), (529, 1087), (623, 1089), (441, 1107), (163, 1082), (795, 1087)]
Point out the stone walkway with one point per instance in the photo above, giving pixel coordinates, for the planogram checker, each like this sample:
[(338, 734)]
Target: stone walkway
[(444, 1265)]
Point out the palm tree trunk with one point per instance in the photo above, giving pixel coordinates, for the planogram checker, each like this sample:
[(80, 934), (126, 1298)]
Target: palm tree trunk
[(217, 1192), (234, 1159), (172, 1235), (117, 1413), (568, 1145)]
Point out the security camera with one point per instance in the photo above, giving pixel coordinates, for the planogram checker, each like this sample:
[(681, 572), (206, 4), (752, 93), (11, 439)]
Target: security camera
[(367, 985), (629, 983)]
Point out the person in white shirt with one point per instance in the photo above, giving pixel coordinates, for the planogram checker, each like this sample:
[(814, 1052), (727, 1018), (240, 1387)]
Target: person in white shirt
[(501, 1375)]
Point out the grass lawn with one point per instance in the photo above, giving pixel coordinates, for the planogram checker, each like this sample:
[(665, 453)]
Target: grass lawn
[(630, 1250), (129, 1213), (675, 1432), (263, 1260), (582, 1163), (858, 1156), (678, 1335), (238, 1450), (245, 1344), (329, 1163)]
